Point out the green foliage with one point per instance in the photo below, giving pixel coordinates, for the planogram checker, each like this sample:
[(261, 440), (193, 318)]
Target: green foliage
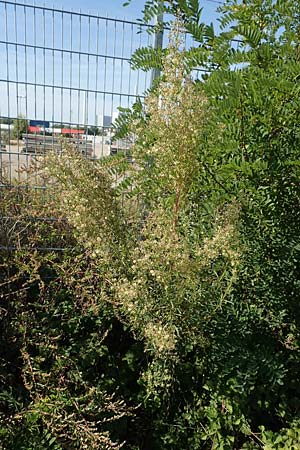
[(58, 373), (286, 439), (147, 58), (126, 117), (173, 323), (19, 127), (248, 152)]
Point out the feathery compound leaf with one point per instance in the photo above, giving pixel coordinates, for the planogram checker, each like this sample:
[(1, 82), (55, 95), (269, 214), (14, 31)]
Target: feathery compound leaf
[(196, 31), (196, 57), (147, 58), (153, 9), (251, 34), (121, 125)]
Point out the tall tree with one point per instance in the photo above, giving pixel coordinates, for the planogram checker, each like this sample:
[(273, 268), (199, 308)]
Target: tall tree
[(20, 126)]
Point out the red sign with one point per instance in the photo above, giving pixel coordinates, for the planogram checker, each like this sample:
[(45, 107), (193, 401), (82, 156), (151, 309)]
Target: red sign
[(33, 129), (71, 131)]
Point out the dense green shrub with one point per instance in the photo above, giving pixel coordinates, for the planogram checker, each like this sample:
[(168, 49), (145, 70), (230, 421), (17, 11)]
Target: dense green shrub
[(172, 320), (66, 361)]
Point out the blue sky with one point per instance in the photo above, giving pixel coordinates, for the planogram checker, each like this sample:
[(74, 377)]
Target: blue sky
[(112, 8)]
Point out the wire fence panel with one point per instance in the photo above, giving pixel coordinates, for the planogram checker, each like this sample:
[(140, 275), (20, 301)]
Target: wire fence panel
[(63, 76), (63, 73)]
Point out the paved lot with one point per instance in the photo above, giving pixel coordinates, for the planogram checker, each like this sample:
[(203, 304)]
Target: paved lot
[(14, 164)]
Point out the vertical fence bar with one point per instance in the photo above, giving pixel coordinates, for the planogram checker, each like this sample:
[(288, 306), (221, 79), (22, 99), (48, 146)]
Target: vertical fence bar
[(35, 80), (53, 76), (8, 91), (26, 86), (96, 137), (138, 73), (104, 85), (122, 63), (158, 40), (130, 69), (113, 76), (71, 64), (79, 72), (43, 69), (17, 88), (86, 106), (62, 70), (35, 44)]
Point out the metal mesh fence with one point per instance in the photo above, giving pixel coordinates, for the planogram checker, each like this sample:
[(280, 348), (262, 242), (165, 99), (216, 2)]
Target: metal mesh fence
[(63, 73)]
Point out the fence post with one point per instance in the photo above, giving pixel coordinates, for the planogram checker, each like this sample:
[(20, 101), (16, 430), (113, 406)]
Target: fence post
[(158, 37)]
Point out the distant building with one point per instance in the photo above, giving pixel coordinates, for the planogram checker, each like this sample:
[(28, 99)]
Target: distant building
[(6, 127), (34, 129), (72, 131), (39, 123), (104, 121)]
